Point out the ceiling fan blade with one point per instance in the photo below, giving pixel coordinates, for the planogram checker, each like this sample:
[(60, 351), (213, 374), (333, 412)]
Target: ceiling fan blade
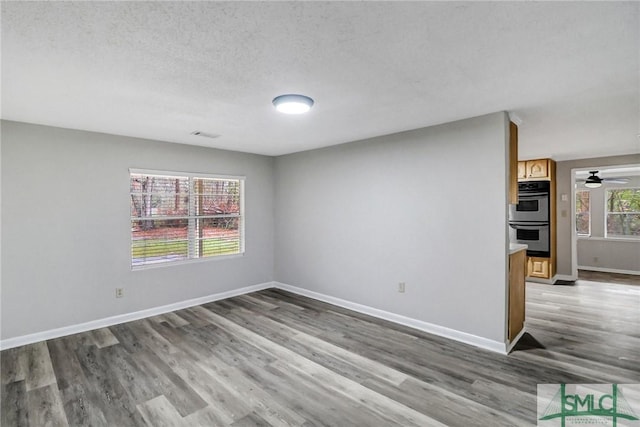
[(616, 180), (607, 180)]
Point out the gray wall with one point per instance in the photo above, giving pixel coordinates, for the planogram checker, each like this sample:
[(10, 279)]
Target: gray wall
[(66, 229), (611, 254), (426, 207), (595, 254)]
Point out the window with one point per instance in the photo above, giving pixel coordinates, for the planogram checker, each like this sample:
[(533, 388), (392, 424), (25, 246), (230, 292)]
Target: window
[(180, 216), (583, 213), (623, 213)]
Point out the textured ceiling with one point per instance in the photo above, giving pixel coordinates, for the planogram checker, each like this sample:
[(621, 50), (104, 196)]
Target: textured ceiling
[(161, 70)]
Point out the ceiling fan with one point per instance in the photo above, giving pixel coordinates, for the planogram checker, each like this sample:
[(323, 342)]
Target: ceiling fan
[(594, 181)]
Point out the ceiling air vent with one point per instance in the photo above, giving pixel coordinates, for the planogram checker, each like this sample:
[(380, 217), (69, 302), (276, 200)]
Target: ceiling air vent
[(205, 134)]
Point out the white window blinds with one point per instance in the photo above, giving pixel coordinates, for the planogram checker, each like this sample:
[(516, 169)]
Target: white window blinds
[(179, 217)]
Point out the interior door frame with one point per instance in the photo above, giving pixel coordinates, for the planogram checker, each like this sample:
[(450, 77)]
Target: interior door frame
[(574, 234)]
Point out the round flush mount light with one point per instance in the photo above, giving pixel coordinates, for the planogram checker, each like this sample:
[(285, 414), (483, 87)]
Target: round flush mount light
[(292, 103)]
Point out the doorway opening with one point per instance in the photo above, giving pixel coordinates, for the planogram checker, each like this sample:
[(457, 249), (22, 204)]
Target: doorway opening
[(606, 221)]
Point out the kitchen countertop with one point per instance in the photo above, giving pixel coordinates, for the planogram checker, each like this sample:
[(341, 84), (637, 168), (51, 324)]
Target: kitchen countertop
[(516, 247)]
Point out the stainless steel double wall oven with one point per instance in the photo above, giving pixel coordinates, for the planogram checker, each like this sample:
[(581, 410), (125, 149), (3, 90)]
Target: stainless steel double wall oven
[(529, 219)]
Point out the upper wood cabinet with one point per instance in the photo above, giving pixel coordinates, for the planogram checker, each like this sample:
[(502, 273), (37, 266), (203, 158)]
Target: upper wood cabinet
[(534, 169), (522, 170), (538, 168)]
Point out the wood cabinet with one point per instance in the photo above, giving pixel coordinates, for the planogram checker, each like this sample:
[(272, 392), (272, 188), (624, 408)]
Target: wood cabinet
[(522, 170), (538, 169), (517, 268), (539, 267), (542, 170), (513, 163), (534, 170)]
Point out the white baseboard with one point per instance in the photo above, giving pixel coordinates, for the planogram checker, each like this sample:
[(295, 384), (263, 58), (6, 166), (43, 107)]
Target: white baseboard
[(495, 346), (565, 277), (487, 344), (127, 317), (608, 270), (540, 280)]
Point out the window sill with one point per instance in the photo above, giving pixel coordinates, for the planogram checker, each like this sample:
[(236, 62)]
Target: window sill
[(185, 262), (610, 239)]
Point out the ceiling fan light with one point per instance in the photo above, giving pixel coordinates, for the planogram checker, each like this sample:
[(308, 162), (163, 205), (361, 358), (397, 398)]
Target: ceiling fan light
[(593, 181), (293, 103)]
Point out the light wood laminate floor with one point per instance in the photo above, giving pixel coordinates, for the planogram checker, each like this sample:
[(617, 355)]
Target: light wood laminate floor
[(273, 358)]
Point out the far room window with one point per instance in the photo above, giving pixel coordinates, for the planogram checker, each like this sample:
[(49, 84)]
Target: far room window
[(623, 213), (178, 217), (583, 213)]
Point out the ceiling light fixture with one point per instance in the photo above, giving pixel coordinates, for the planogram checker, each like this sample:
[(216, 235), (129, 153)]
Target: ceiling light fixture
[(292, 103), (593, 181), (205, 134)]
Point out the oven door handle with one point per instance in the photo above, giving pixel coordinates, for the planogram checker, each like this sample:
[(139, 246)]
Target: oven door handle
[(529, 225), (532, 195)]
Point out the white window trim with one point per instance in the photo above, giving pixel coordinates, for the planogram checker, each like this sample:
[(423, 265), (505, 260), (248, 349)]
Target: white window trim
[(186, 261), (606, 215), (190, 175), (583, 236), (610, 239), (177, 174)]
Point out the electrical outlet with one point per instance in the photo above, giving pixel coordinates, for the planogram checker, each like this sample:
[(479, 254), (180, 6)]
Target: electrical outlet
[(119, 292), (401, 287)]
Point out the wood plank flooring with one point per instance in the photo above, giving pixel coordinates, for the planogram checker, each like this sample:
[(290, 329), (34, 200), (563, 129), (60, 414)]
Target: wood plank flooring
[(598, 276), (273, 358)]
